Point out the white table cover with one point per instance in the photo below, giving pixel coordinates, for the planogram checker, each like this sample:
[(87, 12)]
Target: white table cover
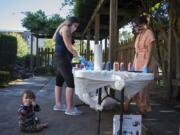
[(87, 82)]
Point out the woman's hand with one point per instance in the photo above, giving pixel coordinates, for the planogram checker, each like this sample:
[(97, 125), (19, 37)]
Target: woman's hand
[(145, 69), (74, 52), (133, 68), (33, 102)]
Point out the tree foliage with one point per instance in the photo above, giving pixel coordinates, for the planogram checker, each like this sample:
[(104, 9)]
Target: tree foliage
[(22, 48), (125, 35), (78, 7), (8, 52), (35, 22), (160, 12), (49, 43), (39, 23), (52, 23)]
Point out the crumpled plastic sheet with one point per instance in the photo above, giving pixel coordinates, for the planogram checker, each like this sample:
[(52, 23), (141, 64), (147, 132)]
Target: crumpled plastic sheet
[(87, 82)]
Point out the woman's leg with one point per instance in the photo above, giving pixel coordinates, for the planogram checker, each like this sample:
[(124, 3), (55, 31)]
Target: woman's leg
[(142, 101), (66, 74), (126, 105), (65, 70), (58, 93), (69, 97)]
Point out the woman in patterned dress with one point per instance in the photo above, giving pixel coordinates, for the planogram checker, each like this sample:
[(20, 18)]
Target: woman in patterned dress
[(143, 61)]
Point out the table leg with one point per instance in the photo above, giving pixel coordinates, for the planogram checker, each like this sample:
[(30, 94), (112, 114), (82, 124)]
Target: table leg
[(99, 112), (122, 111)]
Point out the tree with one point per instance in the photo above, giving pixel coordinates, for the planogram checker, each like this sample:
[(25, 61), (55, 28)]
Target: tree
[(39, 23), (125, 35), (22, 48), (52, 23), (35, 22), (68, 4), (77, 45), (49, 43)]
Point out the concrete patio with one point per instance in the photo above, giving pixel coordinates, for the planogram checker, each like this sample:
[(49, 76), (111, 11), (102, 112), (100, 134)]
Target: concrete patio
[(161, 121)]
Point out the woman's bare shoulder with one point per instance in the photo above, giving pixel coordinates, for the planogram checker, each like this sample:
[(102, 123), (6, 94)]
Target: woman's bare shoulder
[(64, 29), (149, 31)]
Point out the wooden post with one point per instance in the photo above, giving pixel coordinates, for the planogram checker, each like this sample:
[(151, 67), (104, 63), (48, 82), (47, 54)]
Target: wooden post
[(85, 53), (48, 56), (42, 57), (169, 73), (113, 30), (176, 30), (36, 51), (101, 42), (45, 54), (52, 52), (113, 33), (31, 59), (88, 44), (105, 50), (38, 58), (97, 27), (91, 55), (174, 42), (80, 46)]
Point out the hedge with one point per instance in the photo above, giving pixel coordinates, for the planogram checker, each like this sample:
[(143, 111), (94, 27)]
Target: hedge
[(4, 77), (8, 51)]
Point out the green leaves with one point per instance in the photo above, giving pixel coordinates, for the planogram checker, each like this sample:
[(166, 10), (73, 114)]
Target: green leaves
[(34, 21), (155, 7), (39, 23), (22, 48), (52, 23), (49, 43)]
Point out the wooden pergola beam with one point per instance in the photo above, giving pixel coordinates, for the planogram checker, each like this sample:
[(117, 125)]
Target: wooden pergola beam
[(101, 2), (121, 12)]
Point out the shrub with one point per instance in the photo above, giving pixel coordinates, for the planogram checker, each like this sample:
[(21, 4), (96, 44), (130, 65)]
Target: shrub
[(8, 51), (49, 70), (4, 77)]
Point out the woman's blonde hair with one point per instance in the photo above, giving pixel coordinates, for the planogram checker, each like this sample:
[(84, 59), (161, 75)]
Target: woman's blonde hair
[(68, 22)]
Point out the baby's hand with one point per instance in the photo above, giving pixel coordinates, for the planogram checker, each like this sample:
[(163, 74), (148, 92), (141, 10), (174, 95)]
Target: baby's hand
[(26, 104), (33, 103)]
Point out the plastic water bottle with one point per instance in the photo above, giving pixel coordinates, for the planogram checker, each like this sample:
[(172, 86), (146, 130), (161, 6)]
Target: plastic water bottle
[(108, 66), (116, 66), (129, 66), (122, 68)]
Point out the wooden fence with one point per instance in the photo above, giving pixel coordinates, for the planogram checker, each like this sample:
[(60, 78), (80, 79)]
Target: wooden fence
[(90, 55), (45, 57), (125, 54)]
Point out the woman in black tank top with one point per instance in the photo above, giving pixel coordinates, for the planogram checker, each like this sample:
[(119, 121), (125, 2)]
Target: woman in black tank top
[(63, 55)]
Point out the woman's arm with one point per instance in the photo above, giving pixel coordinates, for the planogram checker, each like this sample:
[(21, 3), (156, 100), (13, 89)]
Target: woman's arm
[(149, 53), (135, 55), (65, 32), (150, 46)]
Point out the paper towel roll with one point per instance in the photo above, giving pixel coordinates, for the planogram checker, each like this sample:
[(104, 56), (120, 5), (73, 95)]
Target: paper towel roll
[(97, 57)]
